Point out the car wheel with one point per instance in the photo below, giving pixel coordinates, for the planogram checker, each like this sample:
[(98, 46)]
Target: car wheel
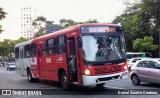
[(135, 80), (64, 81), (100, 85)]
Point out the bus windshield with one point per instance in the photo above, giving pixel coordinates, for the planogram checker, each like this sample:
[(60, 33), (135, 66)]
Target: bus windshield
[(103, 47)]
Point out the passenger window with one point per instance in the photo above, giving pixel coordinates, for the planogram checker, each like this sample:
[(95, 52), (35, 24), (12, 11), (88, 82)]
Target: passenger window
[(45, 48), (17, 53), (151, 64), (27, 51), (33, 50), (50, 47), (61, 47), (142, 64)]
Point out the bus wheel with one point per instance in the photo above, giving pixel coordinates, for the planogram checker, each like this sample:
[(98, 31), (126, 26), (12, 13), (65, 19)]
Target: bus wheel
[(100, 85), (30, 78), (64, 81)]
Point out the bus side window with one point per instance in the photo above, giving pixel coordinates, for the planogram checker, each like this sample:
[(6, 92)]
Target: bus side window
[(27, 51), (17, 53), (45, 48), (51, 50), (61, 47), (55, 46), (33, 49)]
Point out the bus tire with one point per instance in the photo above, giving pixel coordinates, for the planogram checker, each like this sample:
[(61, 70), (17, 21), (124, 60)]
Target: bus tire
[(100, 85), (30, 78), (64, 81)]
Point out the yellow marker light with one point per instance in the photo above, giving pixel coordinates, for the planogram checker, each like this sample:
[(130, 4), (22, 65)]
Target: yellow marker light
[(87, 72)]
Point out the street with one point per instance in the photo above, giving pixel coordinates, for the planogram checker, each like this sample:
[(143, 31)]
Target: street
[(12, 80)]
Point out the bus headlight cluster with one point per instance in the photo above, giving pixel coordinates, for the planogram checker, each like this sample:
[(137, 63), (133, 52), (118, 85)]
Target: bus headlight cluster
[(87, 72), (125, 67)]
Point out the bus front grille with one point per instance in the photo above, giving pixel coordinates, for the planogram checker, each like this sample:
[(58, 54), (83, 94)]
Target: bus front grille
[(107, 70), (109, 78)]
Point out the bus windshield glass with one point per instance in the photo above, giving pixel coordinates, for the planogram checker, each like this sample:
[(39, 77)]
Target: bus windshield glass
[(103, 47)]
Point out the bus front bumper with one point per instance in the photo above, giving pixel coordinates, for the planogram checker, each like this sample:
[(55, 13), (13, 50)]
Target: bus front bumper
[(93, 80)]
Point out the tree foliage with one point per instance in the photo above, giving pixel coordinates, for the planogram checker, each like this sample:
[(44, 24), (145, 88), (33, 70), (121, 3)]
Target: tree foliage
[(139, 20), (40, 24), (2, 16), (7, 47), (145, 44), (69, 22)]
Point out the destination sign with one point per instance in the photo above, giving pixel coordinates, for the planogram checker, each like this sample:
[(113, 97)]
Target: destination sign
[(101, 29)]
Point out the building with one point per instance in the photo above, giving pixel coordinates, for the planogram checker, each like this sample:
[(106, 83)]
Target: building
[(51, 29), (28, 15)]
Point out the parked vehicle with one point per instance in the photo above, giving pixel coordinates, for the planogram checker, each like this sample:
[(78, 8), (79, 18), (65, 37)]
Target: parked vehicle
[(131, 55), (146, 70), (11, 66), (133, 61)]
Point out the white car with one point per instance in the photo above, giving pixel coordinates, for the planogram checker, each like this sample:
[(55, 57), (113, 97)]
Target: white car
[(11, 66), (133, 61)]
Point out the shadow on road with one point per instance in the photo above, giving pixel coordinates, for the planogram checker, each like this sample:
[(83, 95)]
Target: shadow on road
[(150, 85)]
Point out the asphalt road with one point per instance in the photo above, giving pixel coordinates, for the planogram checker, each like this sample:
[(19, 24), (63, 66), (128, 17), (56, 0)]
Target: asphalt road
[(11, 80)]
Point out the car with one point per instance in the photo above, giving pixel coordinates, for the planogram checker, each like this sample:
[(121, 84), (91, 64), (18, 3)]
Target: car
[(133, 61), (146, 70), (11, 66)]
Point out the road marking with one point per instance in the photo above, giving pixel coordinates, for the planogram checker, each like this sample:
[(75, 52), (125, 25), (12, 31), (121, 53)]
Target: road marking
[(114, 87)]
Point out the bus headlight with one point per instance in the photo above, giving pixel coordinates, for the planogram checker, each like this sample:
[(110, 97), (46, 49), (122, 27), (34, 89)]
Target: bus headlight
[(125, 67), (87, 72)]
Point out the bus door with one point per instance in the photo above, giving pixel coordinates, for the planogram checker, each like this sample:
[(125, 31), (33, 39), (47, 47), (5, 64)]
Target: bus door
[(40, 65), (21, 61), (71, 57)]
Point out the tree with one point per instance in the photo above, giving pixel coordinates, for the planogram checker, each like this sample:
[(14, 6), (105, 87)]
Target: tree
[(7, 47), (140, 19), (40, 32), (145, 44), (69, 22), (20, 40), (40, 24), (2, 16)]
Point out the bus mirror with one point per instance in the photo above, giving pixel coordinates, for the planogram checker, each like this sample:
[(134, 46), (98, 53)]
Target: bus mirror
[(80, 43)]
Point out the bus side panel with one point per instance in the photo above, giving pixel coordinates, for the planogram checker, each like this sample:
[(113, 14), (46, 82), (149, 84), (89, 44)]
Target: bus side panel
[(22, 65), (48, 65), (18, 66), (52, 64), (26, 63), (34, 67)]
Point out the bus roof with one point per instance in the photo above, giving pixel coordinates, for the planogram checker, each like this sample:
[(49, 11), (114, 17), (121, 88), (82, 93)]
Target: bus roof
[(73, 28), (23, 43), (64, 31)]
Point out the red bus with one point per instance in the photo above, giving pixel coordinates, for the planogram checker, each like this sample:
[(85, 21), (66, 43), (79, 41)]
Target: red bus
[(85, 54)]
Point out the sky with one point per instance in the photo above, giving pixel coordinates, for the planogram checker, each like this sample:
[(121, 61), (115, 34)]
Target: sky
[(54, 10)]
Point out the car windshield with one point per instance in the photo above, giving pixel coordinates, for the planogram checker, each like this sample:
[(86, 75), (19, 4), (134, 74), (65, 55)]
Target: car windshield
[(100, 48)]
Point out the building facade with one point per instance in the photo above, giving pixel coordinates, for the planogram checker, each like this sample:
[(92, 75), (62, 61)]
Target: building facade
[(28, 15)]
